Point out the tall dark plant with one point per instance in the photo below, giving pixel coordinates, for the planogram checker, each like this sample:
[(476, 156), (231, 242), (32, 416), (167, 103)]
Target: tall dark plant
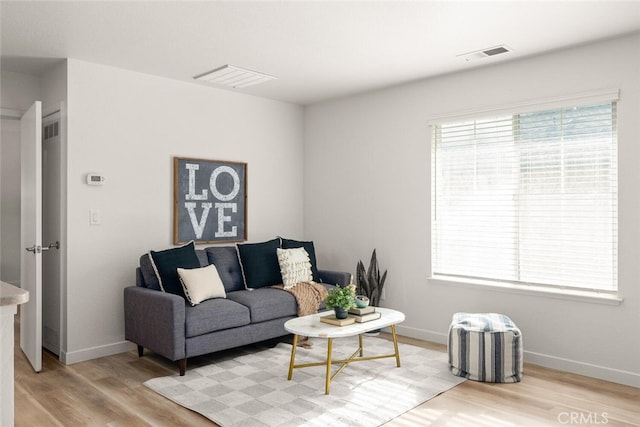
[(370, 282)]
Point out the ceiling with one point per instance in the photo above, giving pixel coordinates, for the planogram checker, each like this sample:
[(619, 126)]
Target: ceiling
[(318, 49)]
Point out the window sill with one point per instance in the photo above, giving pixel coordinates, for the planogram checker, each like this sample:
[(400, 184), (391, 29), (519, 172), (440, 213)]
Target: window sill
[(593, 297)]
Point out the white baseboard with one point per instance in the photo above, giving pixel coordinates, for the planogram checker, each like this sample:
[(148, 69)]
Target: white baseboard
[(575, 367), (69, 358), (582, 368), (422, 334)]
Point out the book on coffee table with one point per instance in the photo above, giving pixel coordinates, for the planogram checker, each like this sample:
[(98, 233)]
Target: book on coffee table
[(361, 311), (367, 317), (332, 320)]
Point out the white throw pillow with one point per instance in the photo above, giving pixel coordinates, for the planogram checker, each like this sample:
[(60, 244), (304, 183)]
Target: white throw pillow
[(200, 284), (295, 266)]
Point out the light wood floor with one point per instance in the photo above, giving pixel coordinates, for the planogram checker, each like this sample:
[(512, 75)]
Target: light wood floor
[(109, 392)]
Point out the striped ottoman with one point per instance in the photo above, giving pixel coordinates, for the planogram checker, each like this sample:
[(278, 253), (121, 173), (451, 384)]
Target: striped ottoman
[(485, 347)]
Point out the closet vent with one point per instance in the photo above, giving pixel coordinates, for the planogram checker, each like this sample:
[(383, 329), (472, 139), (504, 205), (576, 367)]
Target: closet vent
[(50, 131)]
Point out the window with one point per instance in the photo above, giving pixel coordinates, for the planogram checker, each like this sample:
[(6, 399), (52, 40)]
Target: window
[(528, 198)]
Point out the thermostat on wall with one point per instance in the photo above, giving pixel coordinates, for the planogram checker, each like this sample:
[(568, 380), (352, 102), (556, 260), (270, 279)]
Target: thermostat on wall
[(95, 179)]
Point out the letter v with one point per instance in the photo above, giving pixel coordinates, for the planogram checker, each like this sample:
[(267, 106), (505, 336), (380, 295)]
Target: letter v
[(198, 227)]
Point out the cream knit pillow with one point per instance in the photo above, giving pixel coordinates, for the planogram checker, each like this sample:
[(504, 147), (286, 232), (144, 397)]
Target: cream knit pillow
[(295, 266)]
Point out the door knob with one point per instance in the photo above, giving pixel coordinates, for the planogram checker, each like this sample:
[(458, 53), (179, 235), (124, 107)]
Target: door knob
[(37, 249), (56, 245)]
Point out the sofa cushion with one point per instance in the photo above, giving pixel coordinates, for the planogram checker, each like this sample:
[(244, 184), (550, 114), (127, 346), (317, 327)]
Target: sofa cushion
[(225, 258), (149, 278), (266, 303), (166, 263), (309, 247), (201, 284), (215, 315), (294, 266), (259, 263)]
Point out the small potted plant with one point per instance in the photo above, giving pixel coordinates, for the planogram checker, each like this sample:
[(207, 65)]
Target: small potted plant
[(341, 300), (370, 281)]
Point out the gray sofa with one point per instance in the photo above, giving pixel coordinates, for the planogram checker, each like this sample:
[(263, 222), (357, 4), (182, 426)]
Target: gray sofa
[(167, 325)]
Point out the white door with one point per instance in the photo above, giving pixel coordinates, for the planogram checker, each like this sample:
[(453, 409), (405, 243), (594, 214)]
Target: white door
[(31, 234)]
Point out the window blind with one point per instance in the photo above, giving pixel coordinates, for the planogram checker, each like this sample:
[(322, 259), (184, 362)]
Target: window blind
[(528, 198)]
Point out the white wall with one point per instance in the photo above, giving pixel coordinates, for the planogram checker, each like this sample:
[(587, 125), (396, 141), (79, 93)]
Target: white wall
[(128, 126), (17, 92), (367, 185), (53, 86)]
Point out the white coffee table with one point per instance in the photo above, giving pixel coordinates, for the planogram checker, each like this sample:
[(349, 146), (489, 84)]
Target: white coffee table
[(311, 326)]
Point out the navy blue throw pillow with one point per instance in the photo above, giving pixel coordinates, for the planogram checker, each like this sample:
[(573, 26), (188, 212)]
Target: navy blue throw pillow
[(259, 262), (308, 246), (166, 264)]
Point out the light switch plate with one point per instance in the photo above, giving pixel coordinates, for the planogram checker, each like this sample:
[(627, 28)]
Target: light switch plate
[(95, 217)]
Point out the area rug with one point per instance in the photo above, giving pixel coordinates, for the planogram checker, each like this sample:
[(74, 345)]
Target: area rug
[(253, 390)]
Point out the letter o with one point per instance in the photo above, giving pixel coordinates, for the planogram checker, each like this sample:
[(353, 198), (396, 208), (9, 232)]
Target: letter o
[(236, 183), (566, 421)]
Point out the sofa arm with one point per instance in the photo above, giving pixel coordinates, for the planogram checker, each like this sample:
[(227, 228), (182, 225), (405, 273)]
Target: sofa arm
[(334, 277), (155, 320)]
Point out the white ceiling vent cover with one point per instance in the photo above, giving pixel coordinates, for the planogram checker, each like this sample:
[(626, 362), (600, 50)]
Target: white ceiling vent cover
[(485, 53), (235, 77)]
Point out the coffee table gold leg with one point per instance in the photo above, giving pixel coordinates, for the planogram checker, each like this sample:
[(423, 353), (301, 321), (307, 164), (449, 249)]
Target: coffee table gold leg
[(293, 356), (361, 346), (328, 381), (395, 344)]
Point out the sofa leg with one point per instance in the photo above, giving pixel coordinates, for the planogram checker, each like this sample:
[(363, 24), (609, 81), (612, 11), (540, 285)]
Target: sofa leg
[(182, 365), (140, 351)]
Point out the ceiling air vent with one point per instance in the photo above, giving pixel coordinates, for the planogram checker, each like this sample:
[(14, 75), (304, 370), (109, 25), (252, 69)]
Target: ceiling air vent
[(236, 77), (485, 53)]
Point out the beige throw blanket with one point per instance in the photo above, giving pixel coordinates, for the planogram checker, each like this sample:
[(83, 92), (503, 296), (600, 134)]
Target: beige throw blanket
[(309, 296)]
